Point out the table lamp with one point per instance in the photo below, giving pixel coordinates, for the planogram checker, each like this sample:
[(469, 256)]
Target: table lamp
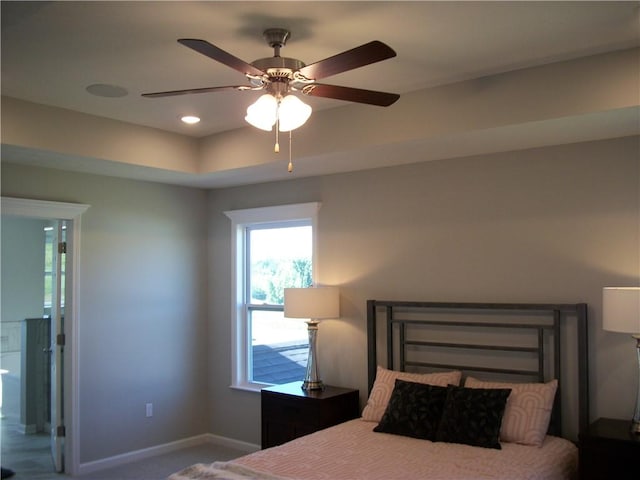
[(314, 304), (621, 313)]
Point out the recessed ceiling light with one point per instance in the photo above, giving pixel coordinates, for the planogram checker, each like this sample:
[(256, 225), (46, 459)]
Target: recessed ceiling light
[(104, 90), (190, 119)]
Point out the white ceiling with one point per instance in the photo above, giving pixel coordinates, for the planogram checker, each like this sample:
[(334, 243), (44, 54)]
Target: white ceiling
[(51, 51)]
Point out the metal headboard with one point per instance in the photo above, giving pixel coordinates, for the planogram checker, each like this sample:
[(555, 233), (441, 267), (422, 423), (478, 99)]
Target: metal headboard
[(542, 321)]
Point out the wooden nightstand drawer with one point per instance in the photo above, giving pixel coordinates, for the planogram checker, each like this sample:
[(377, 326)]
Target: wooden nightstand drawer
[(289, 412), (282, 406), (608, 450)]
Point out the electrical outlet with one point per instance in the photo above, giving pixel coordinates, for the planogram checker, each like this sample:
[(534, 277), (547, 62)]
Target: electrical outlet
[(149, 409)]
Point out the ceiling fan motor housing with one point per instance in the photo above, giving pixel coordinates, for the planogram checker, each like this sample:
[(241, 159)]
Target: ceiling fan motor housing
[(278, 66)]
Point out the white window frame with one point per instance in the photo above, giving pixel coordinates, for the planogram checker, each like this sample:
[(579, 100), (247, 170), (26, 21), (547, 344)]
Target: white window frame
[(240, 220)]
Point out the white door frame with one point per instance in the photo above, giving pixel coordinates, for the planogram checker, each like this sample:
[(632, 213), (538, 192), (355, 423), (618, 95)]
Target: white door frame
[(71, 212)]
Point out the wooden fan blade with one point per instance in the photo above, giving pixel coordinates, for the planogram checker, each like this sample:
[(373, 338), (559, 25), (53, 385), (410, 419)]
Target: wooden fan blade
[(173, 93), (359, 95), (221, 56), (366, 54)]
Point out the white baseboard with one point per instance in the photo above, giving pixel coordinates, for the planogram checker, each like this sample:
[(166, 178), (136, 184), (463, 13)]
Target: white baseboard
[(136, 455)]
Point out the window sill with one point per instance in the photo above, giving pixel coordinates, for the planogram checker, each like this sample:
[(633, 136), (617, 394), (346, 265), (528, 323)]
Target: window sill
[(250, 387)]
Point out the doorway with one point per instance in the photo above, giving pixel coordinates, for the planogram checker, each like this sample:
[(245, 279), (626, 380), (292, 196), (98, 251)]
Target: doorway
[(57, 416)]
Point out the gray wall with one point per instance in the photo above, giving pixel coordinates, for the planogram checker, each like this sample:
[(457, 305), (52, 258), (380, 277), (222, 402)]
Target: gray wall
[(142, 310), (545, 225)]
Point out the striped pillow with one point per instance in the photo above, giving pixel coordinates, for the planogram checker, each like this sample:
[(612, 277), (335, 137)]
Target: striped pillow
[(386, 381), (528, 410)]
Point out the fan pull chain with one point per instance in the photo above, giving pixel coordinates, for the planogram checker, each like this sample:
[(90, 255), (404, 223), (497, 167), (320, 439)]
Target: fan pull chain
[(276, 147), (290, 167)]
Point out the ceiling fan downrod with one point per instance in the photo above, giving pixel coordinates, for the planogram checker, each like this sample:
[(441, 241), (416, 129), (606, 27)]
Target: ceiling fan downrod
[(276, 38)]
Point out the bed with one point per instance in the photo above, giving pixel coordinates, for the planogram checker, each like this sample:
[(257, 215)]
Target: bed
[(456, 391)]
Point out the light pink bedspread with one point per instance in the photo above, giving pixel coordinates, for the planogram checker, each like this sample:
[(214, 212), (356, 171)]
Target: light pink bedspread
[(352, 451)]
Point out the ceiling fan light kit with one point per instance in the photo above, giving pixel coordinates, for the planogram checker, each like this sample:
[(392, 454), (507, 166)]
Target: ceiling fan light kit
[(280, 76), (288, 112)]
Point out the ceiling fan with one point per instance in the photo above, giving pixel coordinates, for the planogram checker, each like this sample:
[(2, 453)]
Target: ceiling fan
[(280, 75)]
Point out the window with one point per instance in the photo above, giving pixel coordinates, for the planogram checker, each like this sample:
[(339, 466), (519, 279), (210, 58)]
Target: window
[(273, 248), (51, 239), (48, 269)]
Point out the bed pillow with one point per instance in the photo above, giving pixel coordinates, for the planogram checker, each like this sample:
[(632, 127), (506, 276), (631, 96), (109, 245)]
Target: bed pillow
[(414, 410), (385, 382), (473, 416), (528, 410)]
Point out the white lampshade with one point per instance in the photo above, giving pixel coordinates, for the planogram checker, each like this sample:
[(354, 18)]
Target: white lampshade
[(262, 113), (292, 113), (314, 302), (621, 309)]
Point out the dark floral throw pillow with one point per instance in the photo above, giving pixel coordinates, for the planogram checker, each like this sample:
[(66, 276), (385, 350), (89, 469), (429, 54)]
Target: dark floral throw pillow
[(473, 416), (414, 410)]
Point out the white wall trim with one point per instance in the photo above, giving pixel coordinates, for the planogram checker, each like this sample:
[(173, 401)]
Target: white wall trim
[(24, 207), (136, 455), (71, 212)]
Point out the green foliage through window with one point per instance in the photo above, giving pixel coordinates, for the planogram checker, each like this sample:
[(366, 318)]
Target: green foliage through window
[(280, 258)]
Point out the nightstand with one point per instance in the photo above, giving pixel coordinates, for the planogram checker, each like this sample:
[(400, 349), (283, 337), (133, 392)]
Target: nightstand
[(608, 450), (290, 412)]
